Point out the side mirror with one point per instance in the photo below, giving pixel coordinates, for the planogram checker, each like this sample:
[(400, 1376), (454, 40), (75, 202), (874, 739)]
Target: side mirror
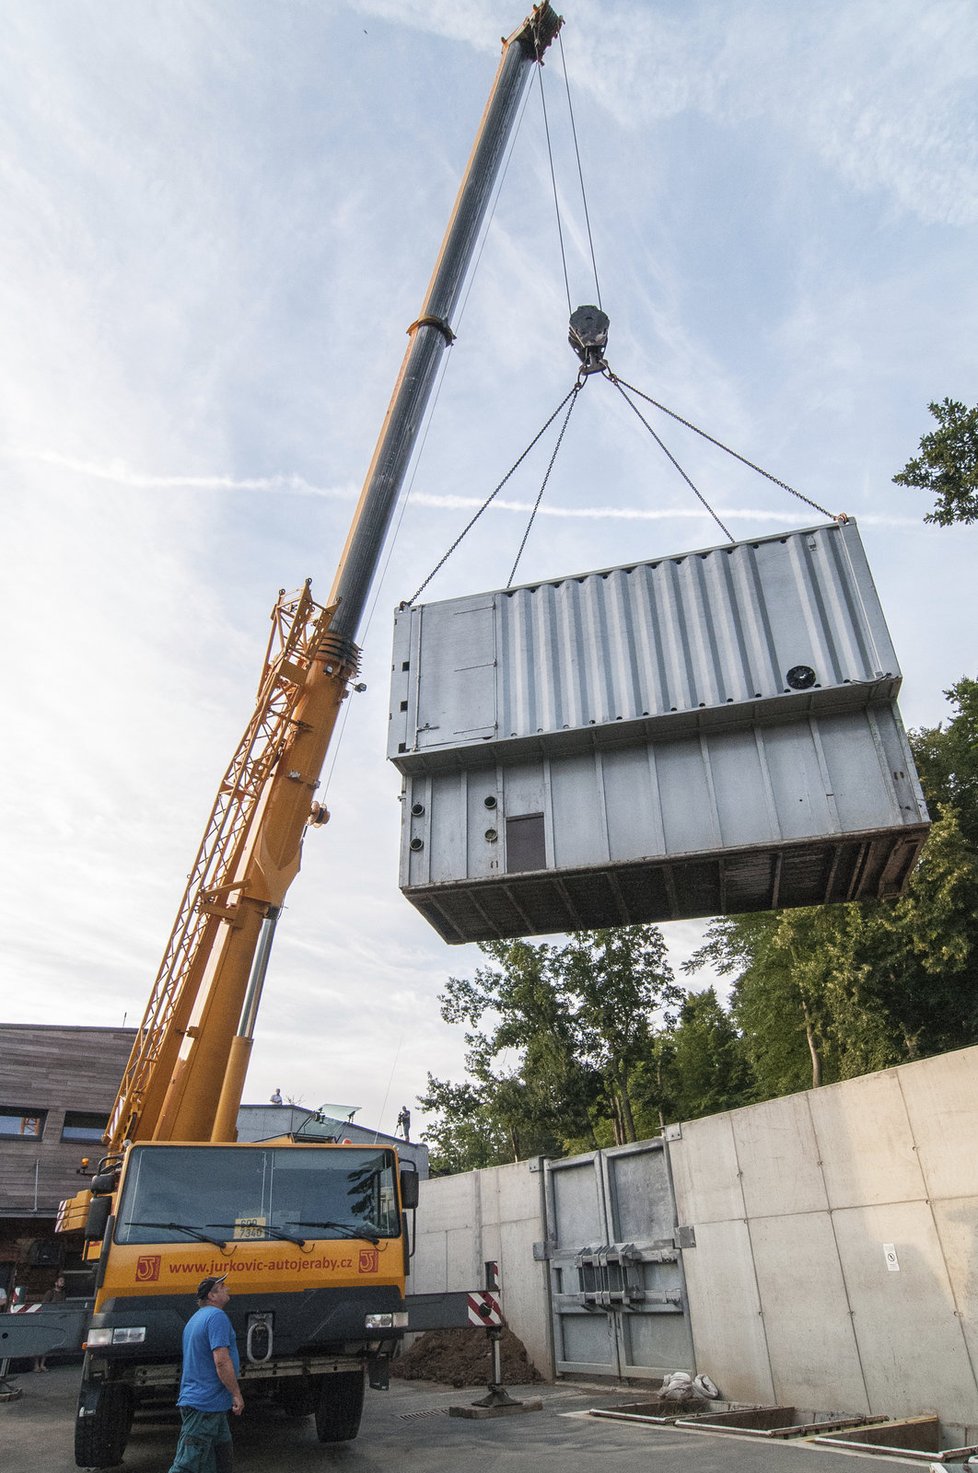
[(105, 1181), (410, 1189), (99, 1211)]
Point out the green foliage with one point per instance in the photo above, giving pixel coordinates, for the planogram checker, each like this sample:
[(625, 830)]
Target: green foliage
[(619, 985), (556, 1035), (948, 464), (465, 1136), (701, 1065), (947, 760)]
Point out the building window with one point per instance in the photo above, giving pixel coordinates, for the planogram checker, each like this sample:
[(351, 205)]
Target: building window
[(18, 1122), (82, 1125)]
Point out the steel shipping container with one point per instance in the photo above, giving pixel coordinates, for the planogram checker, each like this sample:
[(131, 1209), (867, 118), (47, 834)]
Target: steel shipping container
[(790, 624), (700, 735)]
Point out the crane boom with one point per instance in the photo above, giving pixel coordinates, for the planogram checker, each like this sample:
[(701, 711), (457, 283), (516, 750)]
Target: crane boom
[(186, 1073)]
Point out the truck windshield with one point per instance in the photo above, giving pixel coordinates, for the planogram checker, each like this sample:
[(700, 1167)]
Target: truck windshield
[(175, 1193)]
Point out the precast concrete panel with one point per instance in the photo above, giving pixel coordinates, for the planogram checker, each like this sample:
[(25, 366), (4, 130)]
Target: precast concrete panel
[(429, 1266), (864, 1141), (956, 1219), (518, 1192), (453, 1200), (778, 1158), (911, 1343), (809, 1332), (476, 1217), (942, 1103), (706, 1172), (725, 1312)]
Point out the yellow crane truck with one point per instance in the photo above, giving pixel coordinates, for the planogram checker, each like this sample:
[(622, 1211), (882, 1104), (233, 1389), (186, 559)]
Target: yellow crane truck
[(315, 1236)]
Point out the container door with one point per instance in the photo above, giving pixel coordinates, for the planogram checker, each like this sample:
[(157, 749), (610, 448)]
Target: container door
[(457, 681), (619, 1305)]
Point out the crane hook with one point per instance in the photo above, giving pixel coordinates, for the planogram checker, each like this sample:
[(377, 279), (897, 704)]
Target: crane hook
[(588, 335)]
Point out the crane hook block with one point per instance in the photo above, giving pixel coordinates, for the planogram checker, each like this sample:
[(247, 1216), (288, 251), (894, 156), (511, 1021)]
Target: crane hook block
[(588, 336)]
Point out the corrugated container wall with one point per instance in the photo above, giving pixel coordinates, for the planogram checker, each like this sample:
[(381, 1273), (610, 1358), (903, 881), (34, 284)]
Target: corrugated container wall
[(705, 733)]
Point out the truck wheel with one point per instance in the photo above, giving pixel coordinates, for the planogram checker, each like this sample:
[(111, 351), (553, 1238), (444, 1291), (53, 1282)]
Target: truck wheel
[(102, 1425), (340, 1407), (299, 1396)]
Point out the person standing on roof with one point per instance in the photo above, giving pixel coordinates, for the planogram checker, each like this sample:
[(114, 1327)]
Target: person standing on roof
[(209, 1384)]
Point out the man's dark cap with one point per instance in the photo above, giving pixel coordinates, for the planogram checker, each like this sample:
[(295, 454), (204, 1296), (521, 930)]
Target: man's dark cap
[(206, 1285)]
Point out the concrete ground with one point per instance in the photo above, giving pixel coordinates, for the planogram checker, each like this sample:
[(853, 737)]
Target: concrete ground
[(408, 1430)]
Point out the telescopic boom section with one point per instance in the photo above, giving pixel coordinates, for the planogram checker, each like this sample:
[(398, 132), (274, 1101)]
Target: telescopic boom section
[(187, 1070)]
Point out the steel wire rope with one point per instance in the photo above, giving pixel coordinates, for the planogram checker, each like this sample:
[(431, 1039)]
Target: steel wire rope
[(553, 185), (580, 170), (668, 453), (543, 485), (621, 384), (575, 390)]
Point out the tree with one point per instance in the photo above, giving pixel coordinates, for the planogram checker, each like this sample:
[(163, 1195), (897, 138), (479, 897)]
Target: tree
[(463, 1135), (620, 985), (948, 464), (527, 1088), (556, 1035), (947, 760), (700, 1065)]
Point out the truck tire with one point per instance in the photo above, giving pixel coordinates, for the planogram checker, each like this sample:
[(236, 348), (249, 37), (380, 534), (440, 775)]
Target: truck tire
[(299, 1396), (340, 1407), (102, 1425)]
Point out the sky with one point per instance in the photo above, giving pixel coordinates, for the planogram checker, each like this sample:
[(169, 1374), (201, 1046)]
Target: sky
[(219, 221)]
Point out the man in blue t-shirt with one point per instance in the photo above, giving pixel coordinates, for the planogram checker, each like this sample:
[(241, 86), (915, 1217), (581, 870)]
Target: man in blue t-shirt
[(209, 1384)]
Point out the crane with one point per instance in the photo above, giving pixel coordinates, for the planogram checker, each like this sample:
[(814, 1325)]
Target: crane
[(320, 1232)]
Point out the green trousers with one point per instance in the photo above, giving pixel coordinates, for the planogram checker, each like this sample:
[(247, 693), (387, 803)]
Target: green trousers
[(205, 1443)]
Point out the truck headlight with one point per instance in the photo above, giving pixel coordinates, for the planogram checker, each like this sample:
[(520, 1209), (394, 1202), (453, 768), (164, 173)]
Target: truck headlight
[(397, 1321), (95, 1338), (129, 1335)]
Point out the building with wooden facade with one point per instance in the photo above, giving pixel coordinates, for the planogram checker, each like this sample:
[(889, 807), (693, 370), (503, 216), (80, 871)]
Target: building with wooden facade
[(57, 1085)]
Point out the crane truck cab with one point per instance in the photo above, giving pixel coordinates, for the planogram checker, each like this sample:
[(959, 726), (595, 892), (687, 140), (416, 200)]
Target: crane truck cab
[(315, 1242)]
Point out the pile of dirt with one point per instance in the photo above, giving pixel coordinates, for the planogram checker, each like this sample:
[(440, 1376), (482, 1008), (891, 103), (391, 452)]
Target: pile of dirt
[(464, 1358)]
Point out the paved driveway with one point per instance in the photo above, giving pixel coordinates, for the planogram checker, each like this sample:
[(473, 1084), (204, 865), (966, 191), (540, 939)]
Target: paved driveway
[(408, 1430)]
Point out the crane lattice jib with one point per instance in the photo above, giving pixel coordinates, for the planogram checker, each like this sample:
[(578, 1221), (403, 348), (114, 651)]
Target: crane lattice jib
[(300, 633)]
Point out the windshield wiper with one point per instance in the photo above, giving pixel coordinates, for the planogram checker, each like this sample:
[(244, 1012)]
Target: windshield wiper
[(182, 1227), (348, 1229), (260, 1227)]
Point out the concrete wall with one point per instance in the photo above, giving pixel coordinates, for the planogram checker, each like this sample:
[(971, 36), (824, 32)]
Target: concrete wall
[(498, 1214), (836, 1257)]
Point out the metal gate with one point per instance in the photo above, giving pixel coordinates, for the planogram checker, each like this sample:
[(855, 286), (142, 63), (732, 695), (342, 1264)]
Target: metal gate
[(616, 1280)]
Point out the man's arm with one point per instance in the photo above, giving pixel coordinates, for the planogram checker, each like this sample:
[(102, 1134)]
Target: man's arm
[(224, 1366)]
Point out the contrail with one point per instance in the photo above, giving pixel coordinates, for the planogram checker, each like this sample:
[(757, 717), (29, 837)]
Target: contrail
[(120, 474), (643, 513)]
